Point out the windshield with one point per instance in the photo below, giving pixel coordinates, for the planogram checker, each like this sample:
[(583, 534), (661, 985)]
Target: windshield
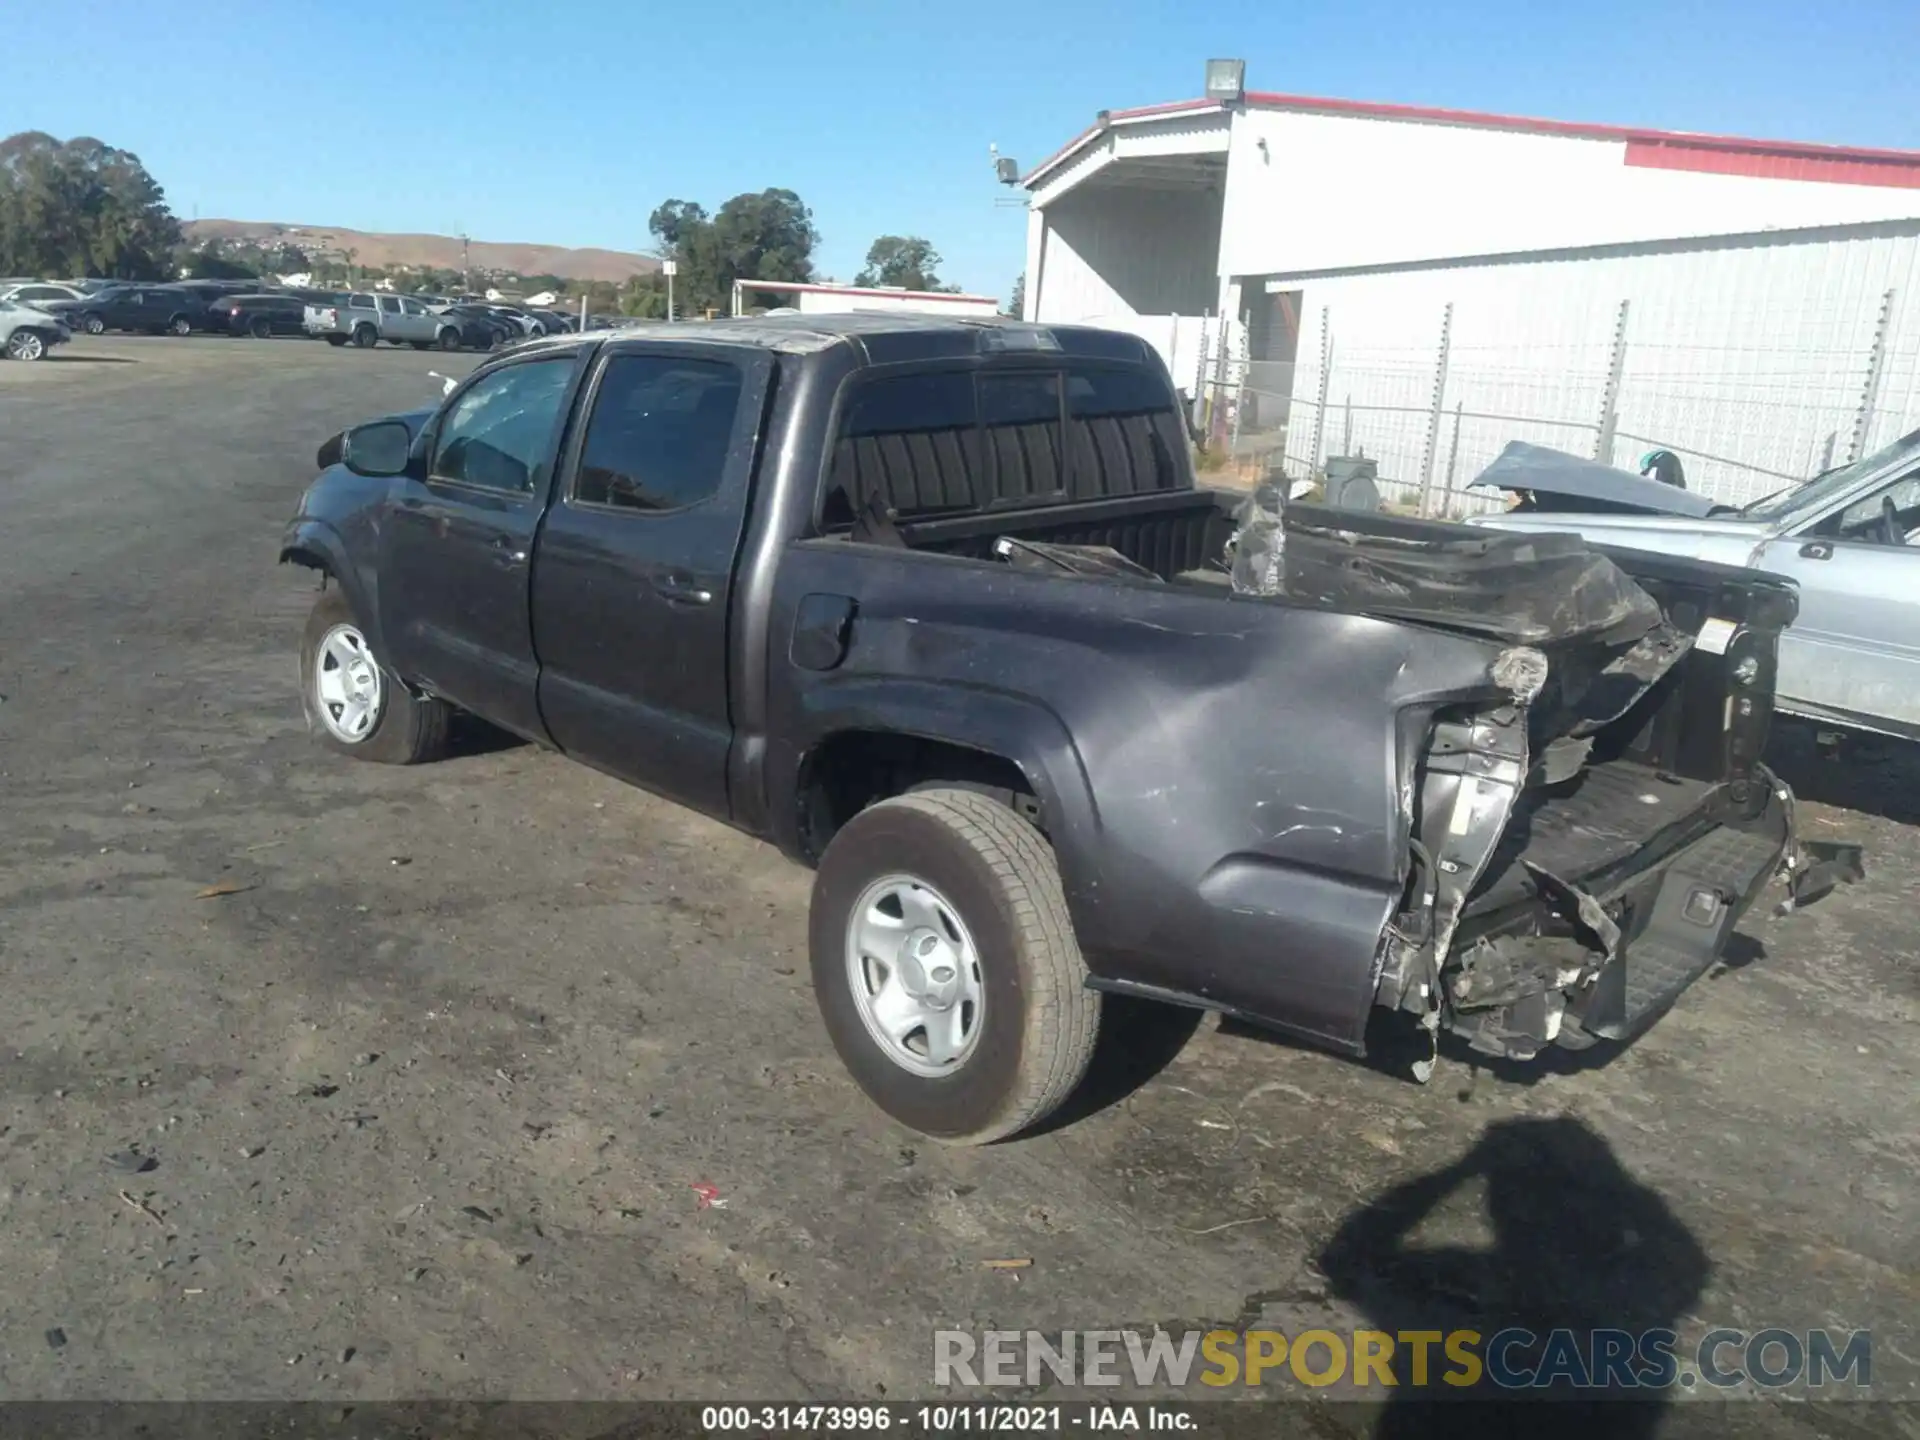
[(1817, 491)]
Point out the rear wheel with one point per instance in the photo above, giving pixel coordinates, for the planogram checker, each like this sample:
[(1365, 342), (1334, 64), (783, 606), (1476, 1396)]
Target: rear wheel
[(365, 336), (354, 704), (449, 338), (336, 339), (945, 965), (93, 324), (420, 344), (260, 328), (180, 325), (26, 345)]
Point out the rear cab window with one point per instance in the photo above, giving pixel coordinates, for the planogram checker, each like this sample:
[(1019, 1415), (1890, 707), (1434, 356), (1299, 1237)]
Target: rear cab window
[(932, 443)]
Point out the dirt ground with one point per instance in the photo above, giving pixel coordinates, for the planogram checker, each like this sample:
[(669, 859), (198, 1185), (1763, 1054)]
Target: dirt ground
[(420, 1106)]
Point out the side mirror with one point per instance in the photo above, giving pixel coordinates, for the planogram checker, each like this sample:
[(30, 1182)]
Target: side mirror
[(378, 450)]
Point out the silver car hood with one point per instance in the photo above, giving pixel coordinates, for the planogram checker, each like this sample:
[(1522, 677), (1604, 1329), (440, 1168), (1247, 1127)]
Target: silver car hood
[(1724, 540)]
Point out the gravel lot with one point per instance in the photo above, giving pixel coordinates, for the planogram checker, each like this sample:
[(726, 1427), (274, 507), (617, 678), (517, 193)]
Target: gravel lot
[(427, 1096)]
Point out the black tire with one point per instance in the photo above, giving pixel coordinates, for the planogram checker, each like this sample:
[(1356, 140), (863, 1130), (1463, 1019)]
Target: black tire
[(336, 340), (420, 344), (408, 730), (1038, 1020), (365, 336), (260, 328), (180, 325), (93, 324), (449, 339)]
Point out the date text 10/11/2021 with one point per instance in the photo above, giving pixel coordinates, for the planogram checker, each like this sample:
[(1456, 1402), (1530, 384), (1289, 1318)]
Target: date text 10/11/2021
[(942, 1419)]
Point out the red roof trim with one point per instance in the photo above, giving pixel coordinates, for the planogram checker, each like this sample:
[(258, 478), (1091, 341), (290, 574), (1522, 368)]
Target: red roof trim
[(797, 287), (1885, 164), (1772, 164)]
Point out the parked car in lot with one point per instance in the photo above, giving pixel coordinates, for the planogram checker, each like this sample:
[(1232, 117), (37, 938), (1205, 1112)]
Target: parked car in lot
[(1849, 540), (480, 328), (149, 309), (365, 319), (948, 623), (39, 292), (28, 332), (260, 316)]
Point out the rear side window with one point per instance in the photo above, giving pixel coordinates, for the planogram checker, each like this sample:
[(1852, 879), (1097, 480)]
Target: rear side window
[(360, 302), (657, 438)]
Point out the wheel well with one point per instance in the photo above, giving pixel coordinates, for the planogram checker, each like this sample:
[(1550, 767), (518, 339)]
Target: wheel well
[(853, 769), (309, 559)]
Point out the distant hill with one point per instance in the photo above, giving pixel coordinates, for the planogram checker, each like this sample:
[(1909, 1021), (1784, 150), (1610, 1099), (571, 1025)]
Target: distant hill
[(442, 252)]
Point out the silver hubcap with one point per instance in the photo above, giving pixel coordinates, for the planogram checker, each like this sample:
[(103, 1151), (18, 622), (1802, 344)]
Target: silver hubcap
[(347, 685), (915, 975), (26, 346)]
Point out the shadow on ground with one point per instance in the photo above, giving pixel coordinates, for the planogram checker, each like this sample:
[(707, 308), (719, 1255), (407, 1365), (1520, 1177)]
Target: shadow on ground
[(1577, 1245), (1873, 774)]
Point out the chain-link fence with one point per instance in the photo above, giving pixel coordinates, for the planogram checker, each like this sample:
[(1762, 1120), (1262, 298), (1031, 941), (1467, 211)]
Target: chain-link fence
[(1746, 420)]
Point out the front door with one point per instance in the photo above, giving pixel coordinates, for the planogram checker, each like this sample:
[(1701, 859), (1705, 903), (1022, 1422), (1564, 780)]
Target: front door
[(631, 596), (455, 557), (1853, 655)]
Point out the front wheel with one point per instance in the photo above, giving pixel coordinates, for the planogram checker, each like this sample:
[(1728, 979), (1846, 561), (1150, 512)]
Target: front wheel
[(180, 325), (946, 968), (336, 340), (26, 345), (449, 339), (260, 328), (354, 704), (93, 325)]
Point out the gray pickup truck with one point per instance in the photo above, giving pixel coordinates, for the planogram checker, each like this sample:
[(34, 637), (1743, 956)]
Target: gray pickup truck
[(937, 608), (365, 319)]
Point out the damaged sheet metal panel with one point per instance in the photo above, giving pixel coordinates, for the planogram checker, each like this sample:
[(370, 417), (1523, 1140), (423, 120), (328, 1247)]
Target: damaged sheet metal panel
[(1559, 481), (1545, 587)]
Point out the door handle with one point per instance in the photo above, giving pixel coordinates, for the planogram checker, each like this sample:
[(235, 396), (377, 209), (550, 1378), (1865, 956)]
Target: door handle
[(1816, 550), (681, 590), (506, 553)]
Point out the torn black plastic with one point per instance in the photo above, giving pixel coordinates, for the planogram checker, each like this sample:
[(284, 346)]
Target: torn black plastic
[(1526, 589)]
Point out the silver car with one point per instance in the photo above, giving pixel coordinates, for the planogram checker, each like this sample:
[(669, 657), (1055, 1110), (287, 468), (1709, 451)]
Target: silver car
[(1850, 538), (28, 333)]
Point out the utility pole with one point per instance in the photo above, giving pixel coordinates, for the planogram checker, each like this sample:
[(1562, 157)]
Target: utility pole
[(669, 268), (466, 275)]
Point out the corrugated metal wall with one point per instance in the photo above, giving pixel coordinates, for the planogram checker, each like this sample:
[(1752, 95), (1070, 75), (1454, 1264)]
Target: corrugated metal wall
[(1751, 358), (1112, 251)]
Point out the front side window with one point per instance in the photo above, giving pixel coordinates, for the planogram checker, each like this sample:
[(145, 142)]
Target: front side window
[(499, 432), (413, 307), (657, 439), (1886, 516)]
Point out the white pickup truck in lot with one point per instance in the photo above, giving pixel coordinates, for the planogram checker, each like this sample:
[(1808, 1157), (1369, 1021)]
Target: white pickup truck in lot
[(366, 319)]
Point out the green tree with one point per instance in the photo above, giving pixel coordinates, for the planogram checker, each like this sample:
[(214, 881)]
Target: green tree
[(905, 261), (207, 263), (763, 236), (80, 207), (1017, 303)]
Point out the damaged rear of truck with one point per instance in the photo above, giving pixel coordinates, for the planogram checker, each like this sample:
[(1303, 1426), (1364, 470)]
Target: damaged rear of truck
[(1507, 783), (1583, 840)]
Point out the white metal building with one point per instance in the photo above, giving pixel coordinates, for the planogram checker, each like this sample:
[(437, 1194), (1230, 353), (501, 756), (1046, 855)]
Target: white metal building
[(811, 299), (1424, 285)]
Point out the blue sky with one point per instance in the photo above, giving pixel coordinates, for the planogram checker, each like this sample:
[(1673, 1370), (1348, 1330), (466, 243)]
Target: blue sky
[(567, 121)]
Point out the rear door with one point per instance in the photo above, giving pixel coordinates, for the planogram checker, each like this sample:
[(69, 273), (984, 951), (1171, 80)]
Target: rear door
[(454, 556), (633, 583), (1853, 654)]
